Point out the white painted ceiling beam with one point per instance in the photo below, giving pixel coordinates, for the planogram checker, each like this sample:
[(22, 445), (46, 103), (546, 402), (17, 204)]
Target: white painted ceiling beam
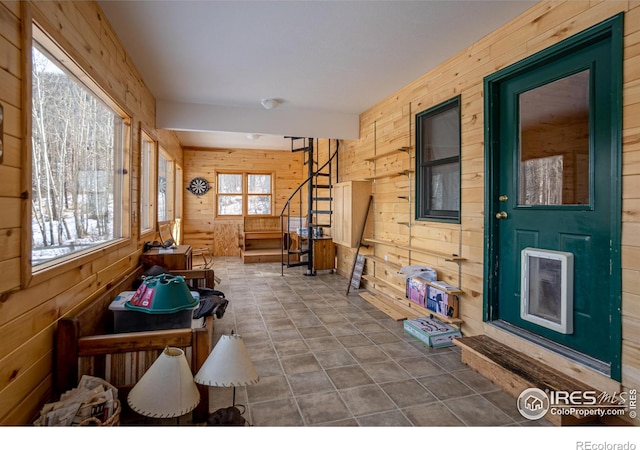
[(284, 120)]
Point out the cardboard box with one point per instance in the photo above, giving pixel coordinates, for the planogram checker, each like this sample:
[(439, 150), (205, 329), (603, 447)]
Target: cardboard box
[(416, 286), (442, 302), (416, 290), (432, 331), (126, 320)]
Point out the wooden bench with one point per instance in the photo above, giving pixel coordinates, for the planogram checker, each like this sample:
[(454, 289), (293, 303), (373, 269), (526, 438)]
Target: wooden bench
[(84, 345), (261, 240), (514, 372)]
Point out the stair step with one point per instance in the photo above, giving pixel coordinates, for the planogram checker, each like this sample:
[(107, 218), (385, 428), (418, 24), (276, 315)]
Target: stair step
[(322, 174), (301, 149), (514, 372), (321, 186), (322, 199), (320, 211)]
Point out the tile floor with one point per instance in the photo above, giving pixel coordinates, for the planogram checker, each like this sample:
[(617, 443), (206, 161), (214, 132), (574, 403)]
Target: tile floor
[(330, 359)]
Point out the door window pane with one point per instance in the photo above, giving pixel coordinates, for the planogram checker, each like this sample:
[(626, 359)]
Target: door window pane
[(554, 143)]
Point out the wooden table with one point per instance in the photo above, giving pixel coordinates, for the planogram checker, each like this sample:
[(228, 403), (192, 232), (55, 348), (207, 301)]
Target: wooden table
[(178, 258), (324, 251)]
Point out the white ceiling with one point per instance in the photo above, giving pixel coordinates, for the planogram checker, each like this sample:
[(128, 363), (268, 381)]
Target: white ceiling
[(209, 63)]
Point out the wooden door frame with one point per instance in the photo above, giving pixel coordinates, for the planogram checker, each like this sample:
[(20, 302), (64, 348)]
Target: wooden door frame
[(611, 28)]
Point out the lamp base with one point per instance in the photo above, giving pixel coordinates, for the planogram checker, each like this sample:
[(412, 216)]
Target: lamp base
[(230, 416)]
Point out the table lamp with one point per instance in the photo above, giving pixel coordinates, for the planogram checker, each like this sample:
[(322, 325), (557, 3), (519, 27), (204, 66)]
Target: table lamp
[(167, 388), (228, 364)]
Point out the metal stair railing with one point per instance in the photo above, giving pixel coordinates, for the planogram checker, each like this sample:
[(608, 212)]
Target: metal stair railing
[(313, 187)]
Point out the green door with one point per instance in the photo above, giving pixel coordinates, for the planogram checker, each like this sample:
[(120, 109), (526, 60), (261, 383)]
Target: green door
[(555, 193)]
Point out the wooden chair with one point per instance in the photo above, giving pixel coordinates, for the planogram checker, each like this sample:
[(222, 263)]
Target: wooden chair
[(165, 232), (206, 257)]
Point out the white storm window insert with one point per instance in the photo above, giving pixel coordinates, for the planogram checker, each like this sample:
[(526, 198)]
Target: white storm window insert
[(147, 159), (165, 187), (547, 289)]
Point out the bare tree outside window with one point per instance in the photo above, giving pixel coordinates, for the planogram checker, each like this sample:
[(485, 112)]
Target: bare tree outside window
[(259, 184), (230, 194), (76, 152)]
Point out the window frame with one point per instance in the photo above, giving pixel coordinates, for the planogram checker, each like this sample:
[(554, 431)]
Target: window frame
[(122, 160), (148, 205), (244, 193), (423, 212), (169, 188)]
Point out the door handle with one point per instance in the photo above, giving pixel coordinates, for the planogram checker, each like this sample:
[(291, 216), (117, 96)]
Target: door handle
[(502, 215)]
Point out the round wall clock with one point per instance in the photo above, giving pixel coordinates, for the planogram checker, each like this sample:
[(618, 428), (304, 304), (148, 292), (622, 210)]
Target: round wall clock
[(198, 186)]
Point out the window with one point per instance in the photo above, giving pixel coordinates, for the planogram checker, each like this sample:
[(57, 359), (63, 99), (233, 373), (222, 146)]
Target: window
[(229, 194), (244, 193), (147, 173), (165, 187), (258, 194), (179, 189), (438, 162), (78, 162)]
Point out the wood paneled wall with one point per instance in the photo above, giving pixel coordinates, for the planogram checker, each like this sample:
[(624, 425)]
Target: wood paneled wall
[(202, 228), (28, 315), (390, 125), (30, 307)]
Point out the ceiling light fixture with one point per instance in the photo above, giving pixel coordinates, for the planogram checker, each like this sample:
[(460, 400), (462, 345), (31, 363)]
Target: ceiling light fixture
[(253, 136), (270, 103)]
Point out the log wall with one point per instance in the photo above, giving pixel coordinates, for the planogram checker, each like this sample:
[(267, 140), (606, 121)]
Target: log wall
[(390, 124), (29, 311), (30, 306), (221, 234)]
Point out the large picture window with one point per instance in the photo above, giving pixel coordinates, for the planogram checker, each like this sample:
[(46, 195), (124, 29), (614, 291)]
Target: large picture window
[(438, 162), (244, 194), (77, 168)]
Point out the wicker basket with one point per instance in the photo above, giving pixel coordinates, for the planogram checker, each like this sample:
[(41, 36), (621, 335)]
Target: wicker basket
[(112, 421)]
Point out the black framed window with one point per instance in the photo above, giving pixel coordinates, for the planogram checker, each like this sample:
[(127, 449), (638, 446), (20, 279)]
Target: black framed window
[(438, 162)]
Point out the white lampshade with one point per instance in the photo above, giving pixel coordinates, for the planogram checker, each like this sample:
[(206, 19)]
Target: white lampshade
[(228, 365), (167, 388)]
